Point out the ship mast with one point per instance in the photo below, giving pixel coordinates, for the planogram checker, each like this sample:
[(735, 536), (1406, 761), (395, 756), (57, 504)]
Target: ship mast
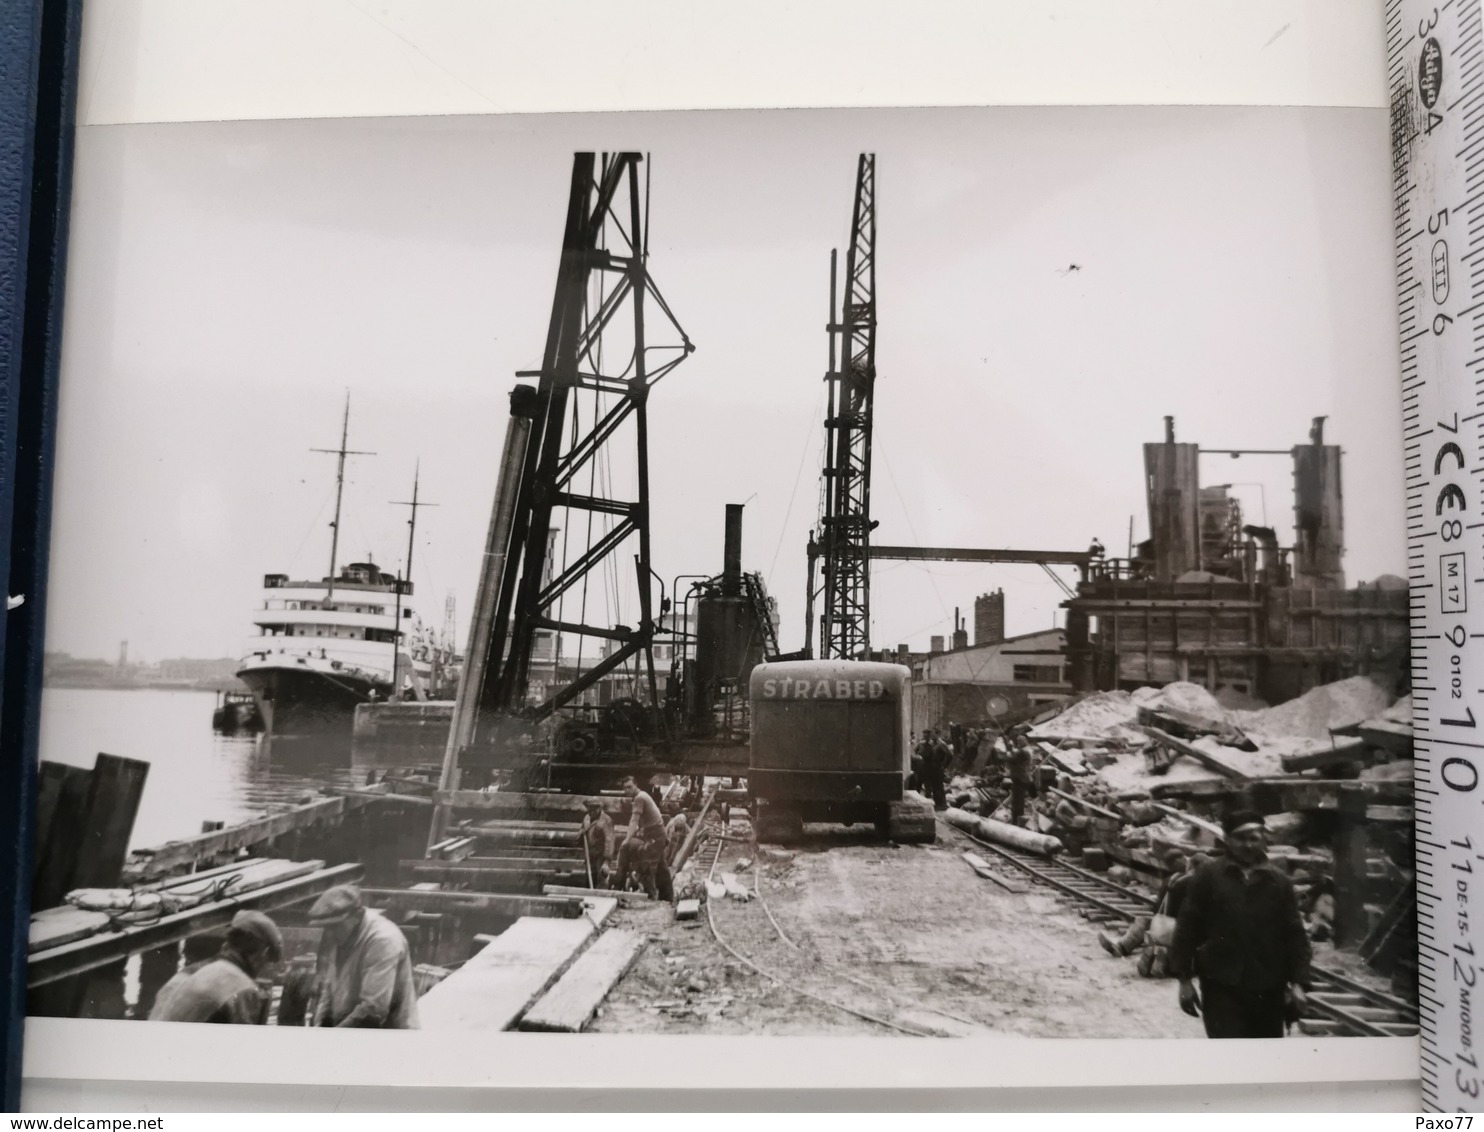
[(411, 534), (342, 452)]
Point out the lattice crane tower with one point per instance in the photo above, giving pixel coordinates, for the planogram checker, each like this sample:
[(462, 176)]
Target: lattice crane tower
[(845, 526)]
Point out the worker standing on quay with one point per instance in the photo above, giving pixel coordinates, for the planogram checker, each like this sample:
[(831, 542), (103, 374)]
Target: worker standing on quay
[(933, 756), (1019, 758), (364, 968), (1239, 931), (225, 989), (643, 850), (597, 837)]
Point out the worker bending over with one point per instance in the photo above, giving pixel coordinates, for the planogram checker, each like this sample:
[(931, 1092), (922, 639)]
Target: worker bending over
[(225, 989), (365, 965)]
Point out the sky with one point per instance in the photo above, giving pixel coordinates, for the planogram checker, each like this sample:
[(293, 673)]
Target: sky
[(230, 283)]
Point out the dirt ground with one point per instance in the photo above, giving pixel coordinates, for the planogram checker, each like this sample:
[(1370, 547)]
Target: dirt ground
[(908, 938)]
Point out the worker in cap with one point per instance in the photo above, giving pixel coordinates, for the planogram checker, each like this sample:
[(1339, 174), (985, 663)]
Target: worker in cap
[(1239, 931), (598, 837), (365, 965), (225, 988)]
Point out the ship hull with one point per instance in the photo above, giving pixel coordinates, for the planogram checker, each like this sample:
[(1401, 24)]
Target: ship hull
[(300, 702)]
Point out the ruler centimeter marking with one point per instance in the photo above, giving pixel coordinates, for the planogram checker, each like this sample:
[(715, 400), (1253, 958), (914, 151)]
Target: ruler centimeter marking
[(1435, 75)]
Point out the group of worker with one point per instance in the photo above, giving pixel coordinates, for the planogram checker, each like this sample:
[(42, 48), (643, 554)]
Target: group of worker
[(1238, 933), (645, 852), (362, 976), (933, 760)]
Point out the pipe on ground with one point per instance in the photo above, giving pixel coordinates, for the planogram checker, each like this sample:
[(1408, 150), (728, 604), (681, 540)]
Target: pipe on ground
[(1002, 833)]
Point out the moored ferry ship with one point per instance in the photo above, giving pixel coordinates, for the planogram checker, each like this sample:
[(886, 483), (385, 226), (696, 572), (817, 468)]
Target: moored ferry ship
[(325, 646)]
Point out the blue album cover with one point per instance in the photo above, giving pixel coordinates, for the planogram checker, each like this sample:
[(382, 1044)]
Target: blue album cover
[(38, 85)]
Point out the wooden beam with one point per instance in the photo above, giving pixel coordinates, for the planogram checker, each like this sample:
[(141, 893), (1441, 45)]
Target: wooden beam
[(1277, 795), (99, 950), (524, 833), (1350, 873), (483, 878), (504, 904), (147, 864), (569, 1006), (1341, 753), (1207, 760), (1191, 820), (1086, 805), (56, 857), (624, 898), (113, 803), (560, 864), (540, 807)]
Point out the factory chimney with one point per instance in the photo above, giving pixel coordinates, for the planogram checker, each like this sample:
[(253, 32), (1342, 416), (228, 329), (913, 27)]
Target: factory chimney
[(731, 578), (989, 618), (960, 634)]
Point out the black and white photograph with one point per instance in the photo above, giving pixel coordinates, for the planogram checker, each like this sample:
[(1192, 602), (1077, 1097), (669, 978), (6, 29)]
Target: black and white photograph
[(920, 573)]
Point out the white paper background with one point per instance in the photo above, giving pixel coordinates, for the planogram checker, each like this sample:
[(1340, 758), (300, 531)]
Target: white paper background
[(173, 60)]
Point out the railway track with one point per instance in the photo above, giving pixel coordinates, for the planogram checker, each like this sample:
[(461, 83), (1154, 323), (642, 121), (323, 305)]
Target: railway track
[(1338, 1005)]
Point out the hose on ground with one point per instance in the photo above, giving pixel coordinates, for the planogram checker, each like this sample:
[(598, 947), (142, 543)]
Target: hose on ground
[(781, 981)]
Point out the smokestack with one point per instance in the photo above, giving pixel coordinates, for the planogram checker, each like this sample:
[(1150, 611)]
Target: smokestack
[(989, 618), (731, 578), (960, 634)]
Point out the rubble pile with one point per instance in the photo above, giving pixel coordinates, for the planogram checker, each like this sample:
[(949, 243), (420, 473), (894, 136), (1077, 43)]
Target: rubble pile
[(1319, 711), (1138, 781)]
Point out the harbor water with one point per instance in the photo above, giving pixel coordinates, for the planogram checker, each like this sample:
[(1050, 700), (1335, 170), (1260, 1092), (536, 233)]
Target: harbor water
[(195, 774)]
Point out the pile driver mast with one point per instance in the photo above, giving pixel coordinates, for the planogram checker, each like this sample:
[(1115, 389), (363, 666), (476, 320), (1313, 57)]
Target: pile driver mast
[(843, 539), (599, 364)]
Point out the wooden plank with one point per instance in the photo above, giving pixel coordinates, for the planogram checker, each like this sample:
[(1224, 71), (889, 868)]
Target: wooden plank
[(567, 864), (1341, 753), (1086, 805), (568, 1006), (108, 824), (534, 807), (1276, 795), (486, 878), (494, 988), (1205, 758), (52, 927), (55, 926), (985, 871), (453, 849), (624, 898), (99, 950), (57, 858), (1387, 734), (1191, 820), (1399, 815), (525, 833), (150, 863), (505, 849), (505, 904), (49, 779)]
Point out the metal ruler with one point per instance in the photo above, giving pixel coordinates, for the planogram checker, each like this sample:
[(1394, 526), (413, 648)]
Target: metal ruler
[(1435, 73)]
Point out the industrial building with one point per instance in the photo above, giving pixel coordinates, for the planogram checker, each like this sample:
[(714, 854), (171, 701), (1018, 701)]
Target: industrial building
[(1215, 601)]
